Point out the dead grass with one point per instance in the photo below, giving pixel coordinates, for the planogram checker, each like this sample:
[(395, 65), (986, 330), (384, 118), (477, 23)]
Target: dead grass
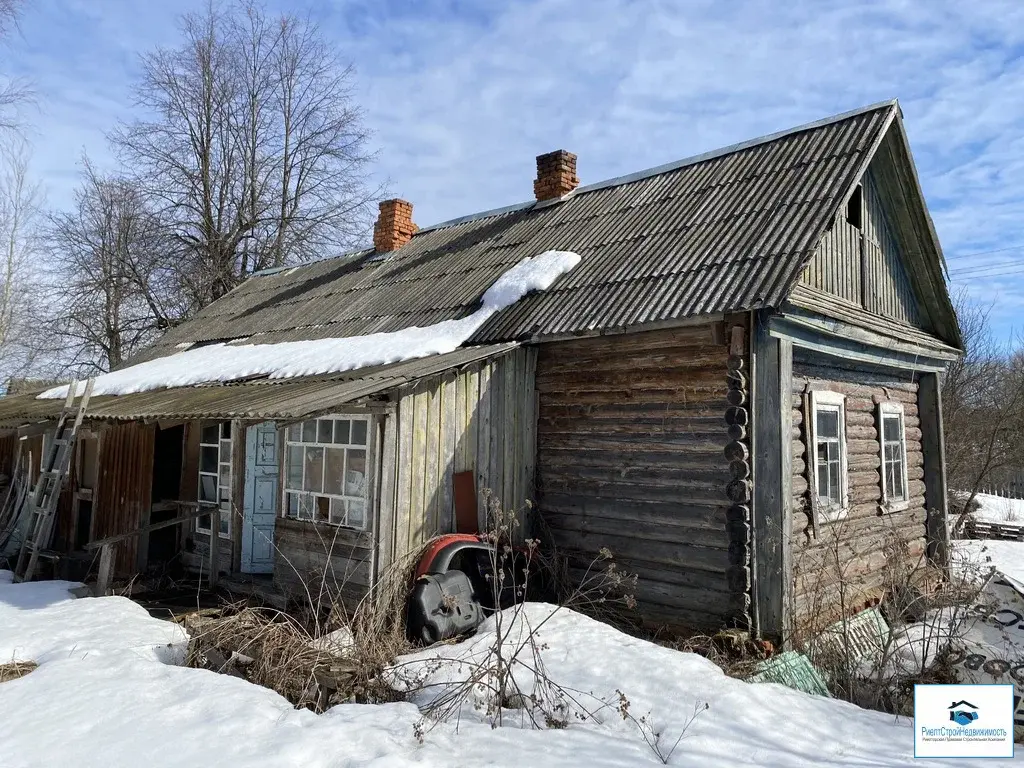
[(288, 653), (16, 669)]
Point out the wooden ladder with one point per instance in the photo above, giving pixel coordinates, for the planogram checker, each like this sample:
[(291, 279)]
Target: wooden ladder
[(52, 472)]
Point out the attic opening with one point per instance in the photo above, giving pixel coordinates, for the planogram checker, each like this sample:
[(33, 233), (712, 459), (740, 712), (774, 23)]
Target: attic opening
[(855, 208)]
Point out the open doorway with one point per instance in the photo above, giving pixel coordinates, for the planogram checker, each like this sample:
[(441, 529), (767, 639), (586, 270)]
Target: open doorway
[(167, 464)]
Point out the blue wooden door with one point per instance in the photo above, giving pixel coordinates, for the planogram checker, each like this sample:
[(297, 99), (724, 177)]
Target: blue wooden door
[(261, 498)]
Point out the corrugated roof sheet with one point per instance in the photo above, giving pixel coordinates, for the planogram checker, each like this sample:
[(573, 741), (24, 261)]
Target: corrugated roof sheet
[(724, 232), (260, 399)]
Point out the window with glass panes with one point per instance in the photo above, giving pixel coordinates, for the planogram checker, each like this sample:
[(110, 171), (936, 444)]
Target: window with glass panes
[(894, 452), (828, 430), (215, 473), (326, 471)]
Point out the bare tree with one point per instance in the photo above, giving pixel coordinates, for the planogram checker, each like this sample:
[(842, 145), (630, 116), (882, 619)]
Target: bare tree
[(982, 406), (13, 92), (258, 155), (21, 202), (114, 287)]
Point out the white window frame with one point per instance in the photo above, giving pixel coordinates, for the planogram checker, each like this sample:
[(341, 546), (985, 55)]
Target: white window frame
[(827, 400), (890, 502), (222, 461), (345, 499)]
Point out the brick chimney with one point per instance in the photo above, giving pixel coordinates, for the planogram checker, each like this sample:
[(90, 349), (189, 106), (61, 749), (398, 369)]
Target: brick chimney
[(394, 227), (556, 175)]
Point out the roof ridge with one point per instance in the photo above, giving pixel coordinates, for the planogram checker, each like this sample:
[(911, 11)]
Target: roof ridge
[(670, 166)]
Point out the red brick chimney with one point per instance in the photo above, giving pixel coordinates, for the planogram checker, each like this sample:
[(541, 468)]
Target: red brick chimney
[(556, 175), (394, 227)]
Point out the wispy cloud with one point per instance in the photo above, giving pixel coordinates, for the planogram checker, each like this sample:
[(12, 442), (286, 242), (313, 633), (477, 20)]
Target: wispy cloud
[(462, 95)]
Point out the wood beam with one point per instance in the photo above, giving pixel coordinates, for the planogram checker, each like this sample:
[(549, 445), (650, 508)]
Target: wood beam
[(771, 376), (934, 449)]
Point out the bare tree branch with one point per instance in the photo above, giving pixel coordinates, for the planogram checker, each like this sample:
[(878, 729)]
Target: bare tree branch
[(258, 155)]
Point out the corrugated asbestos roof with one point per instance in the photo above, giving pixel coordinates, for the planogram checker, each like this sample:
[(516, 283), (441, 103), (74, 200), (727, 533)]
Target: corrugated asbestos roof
[(260, 399), (723, 232)]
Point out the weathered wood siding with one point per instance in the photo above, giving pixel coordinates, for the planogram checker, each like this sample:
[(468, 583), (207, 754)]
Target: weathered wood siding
[(630, 456), (864, 266), (887, 287), (856, 549), (836, 265), (124, 487), (310, 557), (480, 419)]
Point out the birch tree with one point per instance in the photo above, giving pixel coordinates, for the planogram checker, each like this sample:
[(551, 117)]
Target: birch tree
[(257, 155)]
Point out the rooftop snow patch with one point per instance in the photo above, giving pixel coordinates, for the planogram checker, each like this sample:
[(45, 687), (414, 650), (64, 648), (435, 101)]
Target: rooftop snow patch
[(291, 359)]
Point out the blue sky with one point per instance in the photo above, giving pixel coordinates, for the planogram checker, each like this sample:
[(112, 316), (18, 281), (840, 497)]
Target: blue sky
[(462, 95)]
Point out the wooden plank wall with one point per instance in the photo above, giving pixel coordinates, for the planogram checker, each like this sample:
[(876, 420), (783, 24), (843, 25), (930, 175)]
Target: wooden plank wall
[(630, 456), (480, 419), (310, 557), (887, 288), (835, 266), (861, 543), (865, 267), (124, 487)]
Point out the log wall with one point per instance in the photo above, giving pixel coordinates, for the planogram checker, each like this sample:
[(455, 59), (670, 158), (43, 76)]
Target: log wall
[(631, 441), (857, 549)]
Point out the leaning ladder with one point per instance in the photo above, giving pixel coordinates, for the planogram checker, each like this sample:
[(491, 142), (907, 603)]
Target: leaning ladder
[(52, 472)]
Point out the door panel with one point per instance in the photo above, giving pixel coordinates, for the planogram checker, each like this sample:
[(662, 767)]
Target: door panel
[(261, 498)]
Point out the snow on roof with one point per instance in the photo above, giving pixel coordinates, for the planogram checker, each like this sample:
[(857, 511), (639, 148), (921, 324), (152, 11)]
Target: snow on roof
[(291, 359)]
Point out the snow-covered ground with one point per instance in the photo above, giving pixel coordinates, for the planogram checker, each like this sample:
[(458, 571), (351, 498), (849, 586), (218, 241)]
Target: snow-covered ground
[(229, 362), (1007, 556), (996, 509), (105, 695)]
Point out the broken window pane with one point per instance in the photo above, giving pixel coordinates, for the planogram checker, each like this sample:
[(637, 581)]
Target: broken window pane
[(334, 470), (208, 459), (314, 478)]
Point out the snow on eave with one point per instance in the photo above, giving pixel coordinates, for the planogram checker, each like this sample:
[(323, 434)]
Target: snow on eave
[(230, 362)]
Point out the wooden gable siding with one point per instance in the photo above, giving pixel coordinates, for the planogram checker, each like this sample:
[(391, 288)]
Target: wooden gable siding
[(480, 419), (124, 487), (630, 457), (863, 266), (887, 287), (836, 265), (864, 540)]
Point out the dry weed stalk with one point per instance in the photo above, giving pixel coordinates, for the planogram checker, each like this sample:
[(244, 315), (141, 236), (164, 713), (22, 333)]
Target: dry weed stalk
[(15, 670), (909, 590)]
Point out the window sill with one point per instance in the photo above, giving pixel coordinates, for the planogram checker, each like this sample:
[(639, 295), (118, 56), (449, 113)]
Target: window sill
[(893, 506), (325, 531)]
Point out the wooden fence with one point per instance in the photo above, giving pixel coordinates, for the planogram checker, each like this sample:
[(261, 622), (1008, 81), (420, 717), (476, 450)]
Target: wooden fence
[(981, 529)]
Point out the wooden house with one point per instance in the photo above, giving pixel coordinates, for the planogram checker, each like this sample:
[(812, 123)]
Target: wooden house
[(740, 377)]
